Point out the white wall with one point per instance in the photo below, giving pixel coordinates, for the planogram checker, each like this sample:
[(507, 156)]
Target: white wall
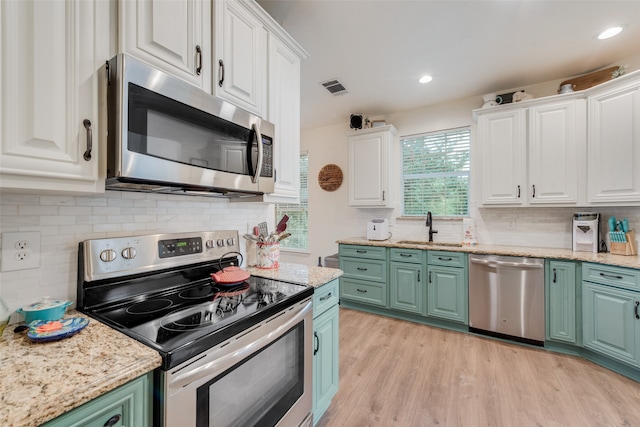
[(331, 219), (64, 221)]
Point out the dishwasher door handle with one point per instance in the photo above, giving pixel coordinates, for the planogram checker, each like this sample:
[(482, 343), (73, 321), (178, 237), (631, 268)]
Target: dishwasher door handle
[(494, 264)]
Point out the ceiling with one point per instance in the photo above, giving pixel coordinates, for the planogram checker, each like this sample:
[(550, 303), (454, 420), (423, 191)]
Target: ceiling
[(378, 49)]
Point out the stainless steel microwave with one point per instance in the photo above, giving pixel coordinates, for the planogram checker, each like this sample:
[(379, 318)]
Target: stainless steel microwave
[(168, 136)]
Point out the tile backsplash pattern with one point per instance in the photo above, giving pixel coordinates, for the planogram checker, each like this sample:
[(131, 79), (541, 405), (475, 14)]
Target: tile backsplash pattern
[(63, 221)]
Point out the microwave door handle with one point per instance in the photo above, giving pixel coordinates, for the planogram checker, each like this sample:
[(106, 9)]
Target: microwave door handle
[(258, 136)]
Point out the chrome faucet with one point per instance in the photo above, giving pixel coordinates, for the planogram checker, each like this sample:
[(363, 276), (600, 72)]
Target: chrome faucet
[(430, 225)]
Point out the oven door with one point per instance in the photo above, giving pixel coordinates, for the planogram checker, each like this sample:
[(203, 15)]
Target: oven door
[(262, 377)]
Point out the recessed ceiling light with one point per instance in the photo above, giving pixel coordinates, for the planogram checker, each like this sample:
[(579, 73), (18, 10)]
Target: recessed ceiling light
[(425, 79), (609, 32)]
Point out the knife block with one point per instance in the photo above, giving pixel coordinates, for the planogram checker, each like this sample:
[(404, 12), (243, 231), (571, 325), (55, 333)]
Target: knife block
[(628, 248)]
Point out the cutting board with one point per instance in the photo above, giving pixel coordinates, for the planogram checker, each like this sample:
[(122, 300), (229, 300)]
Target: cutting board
[(589, 80)]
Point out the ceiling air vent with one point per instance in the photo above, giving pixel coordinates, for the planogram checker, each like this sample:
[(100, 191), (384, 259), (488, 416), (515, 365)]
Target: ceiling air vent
[(334, 87)]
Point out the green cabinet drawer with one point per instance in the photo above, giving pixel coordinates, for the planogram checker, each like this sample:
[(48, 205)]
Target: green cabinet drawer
[(129, 405), (407, 255), (360, 251), (359, 291), (620, 277), (325, 296), (364, 269), (447, 259)]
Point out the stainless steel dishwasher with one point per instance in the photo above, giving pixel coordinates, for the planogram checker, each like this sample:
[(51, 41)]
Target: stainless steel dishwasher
[(506, 297)]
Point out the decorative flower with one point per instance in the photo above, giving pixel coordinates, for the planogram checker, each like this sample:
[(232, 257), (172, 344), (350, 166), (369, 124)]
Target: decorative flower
[(619, 72)]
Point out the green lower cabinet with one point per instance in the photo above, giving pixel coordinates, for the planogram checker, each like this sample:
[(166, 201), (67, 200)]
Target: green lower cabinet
[(610, 322), (447, 293), (325, 347), (561, 302), (406, 287), (130, 405)]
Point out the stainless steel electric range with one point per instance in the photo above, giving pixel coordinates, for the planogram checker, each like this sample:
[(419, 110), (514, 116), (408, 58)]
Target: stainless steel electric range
[(236, 354)]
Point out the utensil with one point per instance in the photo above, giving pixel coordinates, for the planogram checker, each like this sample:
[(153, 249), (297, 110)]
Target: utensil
[(283, 236), (251, 237), (263, 229), (282, 225)]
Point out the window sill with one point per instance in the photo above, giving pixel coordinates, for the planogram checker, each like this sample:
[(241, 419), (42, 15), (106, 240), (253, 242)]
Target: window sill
[(439, 218)]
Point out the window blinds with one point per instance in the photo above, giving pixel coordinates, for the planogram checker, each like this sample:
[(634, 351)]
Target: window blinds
[(298, 213)]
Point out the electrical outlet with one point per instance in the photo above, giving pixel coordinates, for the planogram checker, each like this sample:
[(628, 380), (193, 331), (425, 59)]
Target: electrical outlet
[(20, 250)]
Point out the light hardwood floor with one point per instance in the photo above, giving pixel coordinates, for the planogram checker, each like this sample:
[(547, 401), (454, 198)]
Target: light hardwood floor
[(397, 373)]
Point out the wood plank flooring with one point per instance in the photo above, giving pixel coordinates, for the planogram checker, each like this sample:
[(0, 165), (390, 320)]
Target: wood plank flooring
[(397, 373)]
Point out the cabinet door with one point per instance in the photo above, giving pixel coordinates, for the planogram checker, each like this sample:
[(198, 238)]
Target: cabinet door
[(127, 406), (369, 162), (561, 302), (173, 35), (240, 46), (614, 145), (325, 360), (610, 325), (556, 151), (502, 139), (407, 287), (284, 112), (51, 52), (447, 293)]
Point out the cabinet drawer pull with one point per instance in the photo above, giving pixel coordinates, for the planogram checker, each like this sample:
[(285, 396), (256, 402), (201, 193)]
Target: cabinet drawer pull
[(316, 343), (364, 291), (611, 276), (361, 251), (406, 255), (361, 269), (418, 276), (87, 126), (636, 310), (445, 259), (113, 420), (326, 297), (221, 68), (554, 275), (534, 191), (429, 277), (518, 191), (199, 55)]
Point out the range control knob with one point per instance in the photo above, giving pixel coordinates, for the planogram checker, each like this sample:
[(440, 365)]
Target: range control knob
[(220, 242), (129, 253), (231, 241), (108, 255), (210, 244)]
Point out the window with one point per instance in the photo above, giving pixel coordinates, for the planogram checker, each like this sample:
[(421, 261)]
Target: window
[(435, 173), (298, 214)]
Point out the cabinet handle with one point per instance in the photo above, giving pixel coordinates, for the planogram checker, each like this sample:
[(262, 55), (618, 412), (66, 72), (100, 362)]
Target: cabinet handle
[(199, 55), (430, 277), (383, 196), (418, 275), (406, 255), (316, 343), (113, 420), (534, 191), (326, 297), (221, 67), (636, 310), (445, 259), (87, 126), (554, 275), (518, 191), (364, 291), (361, 269), (360, 251), (611, 276)]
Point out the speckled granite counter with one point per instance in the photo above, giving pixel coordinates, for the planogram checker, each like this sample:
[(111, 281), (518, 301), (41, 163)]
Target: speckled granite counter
[(40, 381), (551, 253), (298, 273)]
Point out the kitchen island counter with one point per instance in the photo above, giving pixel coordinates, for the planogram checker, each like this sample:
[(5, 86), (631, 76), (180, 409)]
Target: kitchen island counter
[(518, 251), (298, 273), (40, 381)]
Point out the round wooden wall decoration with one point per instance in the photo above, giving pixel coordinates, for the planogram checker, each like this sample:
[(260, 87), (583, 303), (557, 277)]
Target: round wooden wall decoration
[(330, 177)]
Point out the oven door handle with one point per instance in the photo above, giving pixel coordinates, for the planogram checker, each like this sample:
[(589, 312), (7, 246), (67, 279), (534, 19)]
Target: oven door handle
[(220, 364)]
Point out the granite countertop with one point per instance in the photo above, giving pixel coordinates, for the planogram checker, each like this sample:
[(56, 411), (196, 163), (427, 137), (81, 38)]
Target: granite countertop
[(524, 251), (298, 273), (40, 381)]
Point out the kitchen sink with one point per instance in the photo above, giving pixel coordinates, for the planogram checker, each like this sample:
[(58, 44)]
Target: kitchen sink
[(426, 243)]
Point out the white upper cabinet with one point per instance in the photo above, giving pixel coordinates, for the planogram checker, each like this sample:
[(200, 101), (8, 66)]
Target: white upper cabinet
[(614, 142), (240, 55), (370, 165), (173, 35), (533, 155), (51, 54)]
